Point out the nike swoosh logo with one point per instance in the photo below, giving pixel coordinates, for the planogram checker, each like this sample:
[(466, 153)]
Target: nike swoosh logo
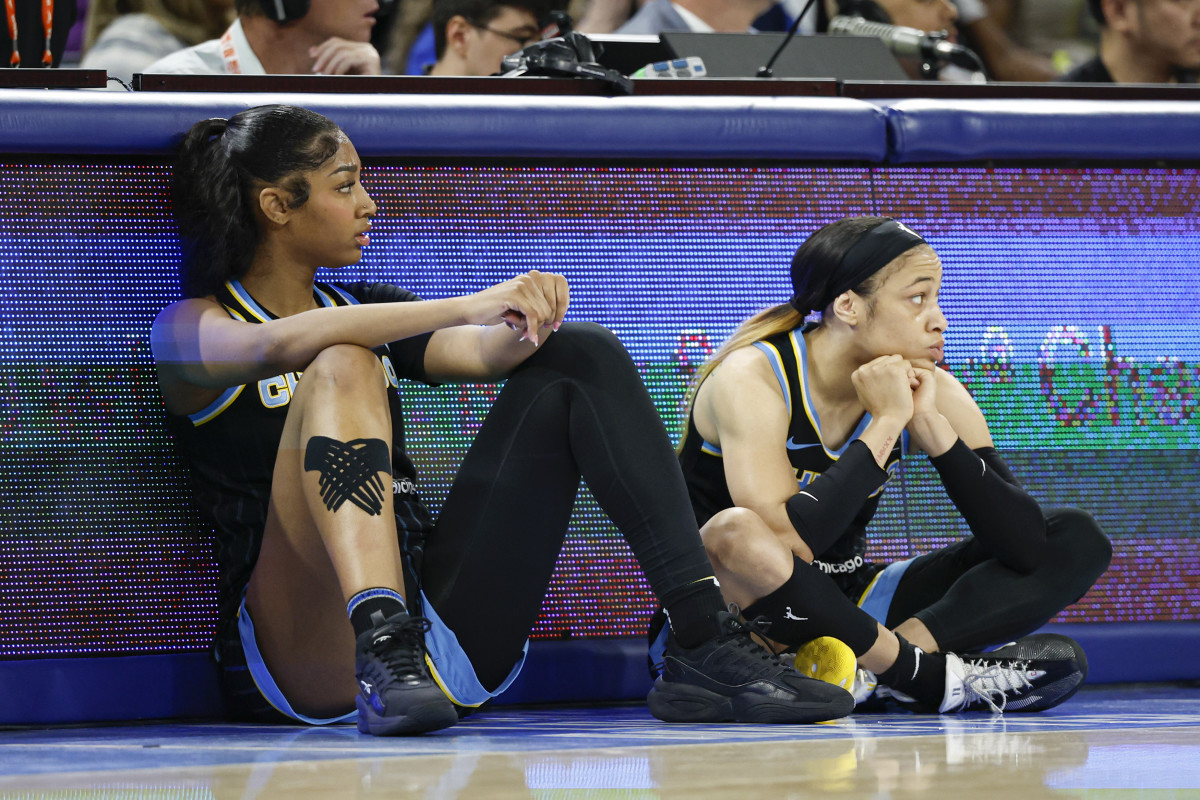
[(791, 444)]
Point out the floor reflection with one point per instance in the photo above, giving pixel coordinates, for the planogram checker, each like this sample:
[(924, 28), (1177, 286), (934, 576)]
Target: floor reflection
[(1136, 743)]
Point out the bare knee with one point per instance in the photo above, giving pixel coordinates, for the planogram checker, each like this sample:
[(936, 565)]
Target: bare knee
[(738, 541), (344, 368)]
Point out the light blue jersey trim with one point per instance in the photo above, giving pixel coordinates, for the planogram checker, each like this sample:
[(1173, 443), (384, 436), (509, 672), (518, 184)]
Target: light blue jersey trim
[(801, 352), (237, 290), (262, 676), (877, 599), (342, 294), (216, 406), (451, 667), (777, 366), (325, 299)]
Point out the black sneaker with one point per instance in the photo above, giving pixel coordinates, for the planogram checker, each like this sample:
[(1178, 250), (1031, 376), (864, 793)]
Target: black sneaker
[(1030, 674), (396, 695), (732, 679)]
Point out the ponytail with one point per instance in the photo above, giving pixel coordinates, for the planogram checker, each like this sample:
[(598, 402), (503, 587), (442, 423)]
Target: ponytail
[(761, 326), (816, 271), (218, 232)]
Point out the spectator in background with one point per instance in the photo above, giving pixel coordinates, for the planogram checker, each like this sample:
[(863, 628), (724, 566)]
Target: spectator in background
[(409, 43), (1144, 41), (1063, 31), (698, 16), (602, 16), (472, 37), (314, 37), (126, 36), (1004, 60)]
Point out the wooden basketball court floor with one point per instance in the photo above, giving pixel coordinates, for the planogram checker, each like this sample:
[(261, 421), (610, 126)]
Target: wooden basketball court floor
[(1107, 742)]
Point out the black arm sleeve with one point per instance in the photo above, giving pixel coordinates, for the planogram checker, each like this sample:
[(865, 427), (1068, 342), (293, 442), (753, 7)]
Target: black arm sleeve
[(1005, 520), (823, 509)]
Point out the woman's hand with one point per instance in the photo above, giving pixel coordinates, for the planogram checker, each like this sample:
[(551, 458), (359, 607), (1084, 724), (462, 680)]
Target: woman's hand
[(925, 393), (931, 431), (886, 388), (527, 303)]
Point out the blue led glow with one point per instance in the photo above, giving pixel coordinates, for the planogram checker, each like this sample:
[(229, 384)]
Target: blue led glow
[(1075, 320)]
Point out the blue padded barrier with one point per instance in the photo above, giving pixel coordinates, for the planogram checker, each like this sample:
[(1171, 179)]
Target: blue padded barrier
[(979, 130), (583, 670), (40, 121), (1123, 652), (115, 688), (77, 690)]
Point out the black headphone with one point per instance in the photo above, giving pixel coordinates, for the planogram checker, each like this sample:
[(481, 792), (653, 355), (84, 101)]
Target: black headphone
[(284, 10)]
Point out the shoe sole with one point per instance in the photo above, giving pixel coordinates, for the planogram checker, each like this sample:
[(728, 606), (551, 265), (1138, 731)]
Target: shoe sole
[(431, 715), (671, 702), (1047, 696)]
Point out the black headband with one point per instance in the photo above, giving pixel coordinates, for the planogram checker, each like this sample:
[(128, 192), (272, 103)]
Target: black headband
[(874, 251)]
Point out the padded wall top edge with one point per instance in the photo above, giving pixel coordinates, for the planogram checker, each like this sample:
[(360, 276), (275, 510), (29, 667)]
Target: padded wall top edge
[(978, 130), (99, 122)]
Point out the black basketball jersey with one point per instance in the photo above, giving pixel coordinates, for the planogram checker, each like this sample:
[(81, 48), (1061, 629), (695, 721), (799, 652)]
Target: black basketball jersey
[(230, 447), (704, 469)]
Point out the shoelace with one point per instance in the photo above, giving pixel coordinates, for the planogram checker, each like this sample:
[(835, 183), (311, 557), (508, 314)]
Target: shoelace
[(403, 651), (743, 629), (994, 679)]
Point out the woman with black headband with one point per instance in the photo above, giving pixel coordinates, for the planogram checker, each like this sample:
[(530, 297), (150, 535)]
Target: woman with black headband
[(794, 428)]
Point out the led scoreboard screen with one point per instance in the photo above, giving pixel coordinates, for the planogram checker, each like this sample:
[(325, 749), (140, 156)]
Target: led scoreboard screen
[(1074, 320)]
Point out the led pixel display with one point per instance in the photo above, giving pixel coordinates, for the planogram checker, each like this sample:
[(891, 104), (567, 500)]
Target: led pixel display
[(1074, 320)]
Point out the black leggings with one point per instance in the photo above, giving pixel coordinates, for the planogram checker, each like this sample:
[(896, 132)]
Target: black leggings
[(967, 599), (965, 596), (577, 407)]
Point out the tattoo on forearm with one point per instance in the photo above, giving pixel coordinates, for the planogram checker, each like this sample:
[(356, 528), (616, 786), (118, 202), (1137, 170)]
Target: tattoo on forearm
[(349, 471), (884, 450)]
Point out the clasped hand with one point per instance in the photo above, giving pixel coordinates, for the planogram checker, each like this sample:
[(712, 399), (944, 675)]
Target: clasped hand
[(890, 387), (527, 303)]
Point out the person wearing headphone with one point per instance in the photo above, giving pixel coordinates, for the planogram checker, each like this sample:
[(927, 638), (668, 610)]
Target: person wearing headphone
[(286, 37)]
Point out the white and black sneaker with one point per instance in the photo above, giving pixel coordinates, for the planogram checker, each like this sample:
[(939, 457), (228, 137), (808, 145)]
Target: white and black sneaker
[(1030, 674)]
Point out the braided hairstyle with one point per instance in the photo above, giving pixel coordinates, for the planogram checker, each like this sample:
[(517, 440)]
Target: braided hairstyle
[(222, 166)]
